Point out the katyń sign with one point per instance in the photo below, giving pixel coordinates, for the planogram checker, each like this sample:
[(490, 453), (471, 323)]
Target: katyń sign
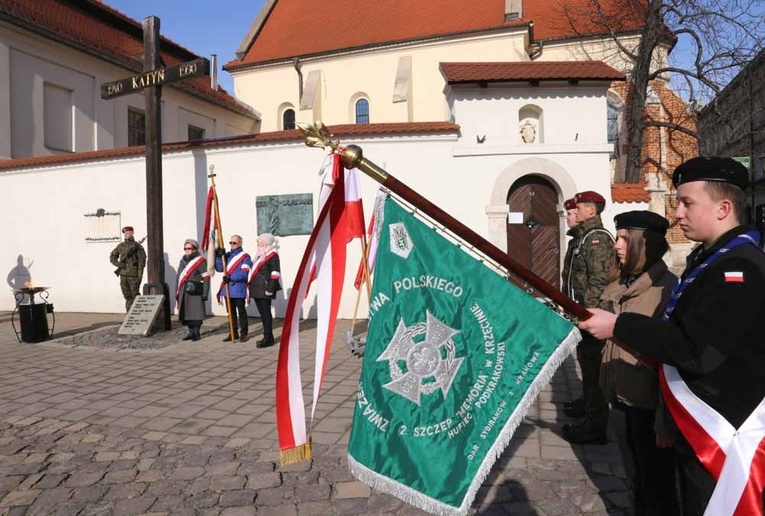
[(188, 70)]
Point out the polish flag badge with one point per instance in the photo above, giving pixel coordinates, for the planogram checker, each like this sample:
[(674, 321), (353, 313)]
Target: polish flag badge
[(734, 277)]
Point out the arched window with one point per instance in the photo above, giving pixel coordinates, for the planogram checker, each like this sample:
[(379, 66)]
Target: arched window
[(288, 119), (362, 111)]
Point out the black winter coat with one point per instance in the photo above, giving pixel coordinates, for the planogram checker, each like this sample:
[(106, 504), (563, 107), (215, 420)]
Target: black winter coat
[(265, 282), (715, 335)]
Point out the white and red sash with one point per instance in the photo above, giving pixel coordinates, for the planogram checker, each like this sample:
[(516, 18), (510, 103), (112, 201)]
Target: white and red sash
[(735, 457), (186, 272), (230, 268), (256, 265)]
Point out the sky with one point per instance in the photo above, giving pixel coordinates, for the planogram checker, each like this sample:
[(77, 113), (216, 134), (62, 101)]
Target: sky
[(202, 26)]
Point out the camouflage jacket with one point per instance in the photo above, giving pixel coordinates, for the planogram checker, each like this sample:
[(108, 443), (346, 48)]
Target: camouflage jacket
[(592, 260), (129, 258)]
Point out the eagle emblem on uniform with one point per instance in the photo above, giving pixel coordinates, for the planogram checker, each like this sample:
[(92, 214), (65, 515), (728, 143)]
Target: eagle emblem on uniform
[(429, 364)]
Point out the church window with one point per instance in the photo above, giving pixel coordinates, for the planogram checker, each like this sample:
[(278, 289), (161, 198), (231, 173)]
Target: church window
[(136, 127), (57, 109), (362, 111), (288, 119)]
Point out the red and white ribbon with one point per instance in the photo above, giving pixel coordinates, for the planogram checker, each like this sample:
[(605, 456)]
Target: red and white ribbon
[(230, 268), (324, 259), (735, 457), (185, 273)]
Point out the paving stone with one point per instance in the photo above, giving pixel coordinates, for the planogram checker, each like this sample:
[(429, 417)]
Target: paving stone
[(134, 506), (256, 468), (351, 490), (89, 494), (281, 510), (313, 493), (227, 483), (125, 491), (83, 479), (352, 506), (264, 481), (237, 498), (238, 511), (15, 498)]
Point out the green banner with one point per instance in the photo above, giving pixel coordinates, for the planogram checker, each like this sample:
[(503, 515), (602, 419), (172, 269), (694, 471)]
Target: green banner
[(455, 355)]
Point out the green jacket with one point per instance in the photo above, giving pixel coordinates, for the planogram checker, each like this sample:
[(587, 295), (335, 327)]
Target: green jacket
[(129, 258), (593, 258)]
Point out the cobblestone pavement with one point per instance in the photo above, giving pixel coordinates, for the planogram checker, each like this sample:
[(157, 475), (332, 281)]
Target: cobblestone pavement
[(89, 425)]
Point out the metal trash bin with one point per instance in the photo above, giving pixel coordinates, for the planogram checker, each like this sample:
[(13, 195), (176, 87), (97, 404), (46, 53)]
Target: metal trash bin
[(33, 317)]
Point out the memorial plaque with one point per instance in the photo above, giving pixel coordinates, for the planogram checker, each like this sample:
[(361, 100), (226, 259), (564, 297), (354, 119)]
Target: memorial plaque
[(140, 319), (285, 215)]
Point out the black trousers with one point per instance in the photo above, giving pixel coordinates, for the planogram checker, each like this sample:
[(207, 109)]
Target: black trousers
[(589, 353), (239, 315), (696, 484), (654, 467), (264, 307)]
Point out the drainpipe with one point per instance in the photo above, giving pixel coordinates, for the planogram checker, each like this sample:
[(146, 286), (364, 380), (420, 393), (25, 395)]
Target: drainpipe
[(536, 46), (296, 64)]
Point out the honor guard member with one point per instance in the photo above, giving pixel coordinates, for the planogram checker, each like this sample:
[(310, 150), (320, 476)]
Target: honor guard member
[(238, 265), (593, 259), (574, 408), (710, 342), (130, 260)]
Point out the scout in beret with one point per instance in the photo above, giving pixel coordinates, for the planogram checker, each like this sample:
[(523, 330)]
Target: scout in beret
[(708, 336), (723, 170), (640, 219)]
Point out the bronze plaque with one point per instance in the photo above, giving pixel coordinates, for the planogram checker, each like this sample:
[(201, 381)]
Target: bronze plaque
[(284, 215)]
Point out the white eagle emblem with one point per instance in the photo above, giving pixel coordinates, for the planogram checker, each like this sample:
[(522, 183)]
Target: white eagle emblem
[(400, 241)]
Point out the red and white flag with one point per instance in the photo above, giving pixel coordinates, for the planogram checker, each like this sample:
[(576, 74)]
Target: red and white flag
[(324, 260), (210, 232), (374, 239)]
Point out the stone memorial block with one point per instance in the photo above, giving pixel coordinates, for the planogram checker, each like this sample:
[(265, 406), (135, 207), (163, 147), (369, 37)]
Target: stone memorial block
[(140, 319)]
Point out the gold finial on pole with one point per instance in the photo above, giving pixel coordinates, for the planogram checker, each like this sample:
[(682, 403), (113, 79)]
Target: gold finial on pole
[(317, 135), (212, 173)]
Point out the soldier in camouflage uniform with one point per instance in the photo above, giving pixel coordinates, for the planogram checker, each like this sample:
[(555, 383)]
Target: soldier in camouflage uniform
[(574, 408), (592, 261), (130, 260)]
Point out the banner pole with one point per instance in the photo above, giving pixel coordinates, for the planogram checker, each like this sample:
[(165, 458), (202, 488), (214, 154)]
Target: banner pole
[(220, 244), (317, 135)]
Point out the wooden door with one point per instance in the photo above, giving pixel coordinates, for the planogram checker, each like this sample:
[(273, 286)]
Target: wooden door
[(535, 242)]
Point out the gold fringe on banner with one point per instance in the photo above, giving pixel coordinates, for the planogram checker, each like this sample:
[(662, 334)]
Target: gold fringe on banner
[(295, 455)]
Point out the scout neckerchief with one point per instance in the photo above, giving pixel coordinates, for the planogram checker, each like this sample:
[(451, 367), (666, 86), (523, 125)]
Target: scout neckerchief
[(231, 267), (735, 457), (259, 262), (186, 272)]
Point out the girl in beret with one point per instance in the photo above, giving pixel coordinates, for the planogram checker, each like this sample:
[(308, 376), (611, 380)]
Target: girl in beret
[(641, 283)]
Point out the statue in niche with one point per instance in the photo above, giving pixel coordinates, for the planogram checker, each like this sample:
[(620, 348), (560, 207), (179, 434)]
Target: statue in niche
[(528, 131)]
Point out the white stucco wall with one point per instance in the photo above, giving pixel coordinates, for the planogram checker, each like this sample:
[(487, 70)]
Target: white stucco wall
[(52, 234), (27, 61)]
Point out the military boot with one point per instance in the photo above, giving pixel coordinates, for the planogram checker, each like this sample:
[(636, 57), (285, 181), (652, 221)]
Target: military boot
[(267, 340)]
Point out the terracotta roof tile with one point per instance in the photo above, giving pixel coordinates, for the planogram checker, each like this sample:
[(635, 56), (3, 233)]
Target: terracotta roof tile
[(94, 27), (299, 28), (528, 70), (272, 137), (629, 192)]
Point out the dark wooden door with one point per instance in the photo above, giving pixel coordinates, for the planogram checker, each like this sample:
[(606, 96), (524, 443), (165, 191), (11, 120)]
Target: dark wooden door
[(535, 243)]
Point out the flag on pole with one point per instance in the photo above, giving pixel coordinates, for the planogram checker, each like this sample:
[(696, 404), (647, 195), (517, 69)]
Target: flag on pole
[(374, 238), (209, 234), (455, 355), (324, 259)]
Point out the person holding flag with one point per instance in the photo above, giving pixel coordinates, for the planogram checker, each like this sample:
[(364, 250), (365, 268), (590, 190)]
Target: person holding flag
[(709, 342), (263, 283), (236, 275)]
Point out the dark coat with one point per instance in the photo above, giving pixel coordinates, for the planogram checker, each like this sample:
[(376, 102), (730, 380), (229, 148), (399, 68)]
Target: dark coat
[(715, 334), (265, 283), (192, 307)]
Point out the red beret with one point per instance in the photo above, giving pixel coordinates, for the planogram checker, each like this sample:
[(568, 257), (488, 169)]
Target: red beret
[(590, 196), (570, 204), (127, 228)]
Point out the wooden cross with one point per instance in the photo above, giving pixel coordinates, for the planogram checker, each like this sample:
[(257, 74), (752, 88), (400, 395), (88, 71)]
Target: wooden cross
[(152, 79)]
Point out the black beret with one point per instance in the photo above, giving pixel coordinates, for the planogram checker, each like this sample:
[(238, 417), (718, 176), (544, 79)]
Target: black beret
[(726, 170), (646, 220)]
